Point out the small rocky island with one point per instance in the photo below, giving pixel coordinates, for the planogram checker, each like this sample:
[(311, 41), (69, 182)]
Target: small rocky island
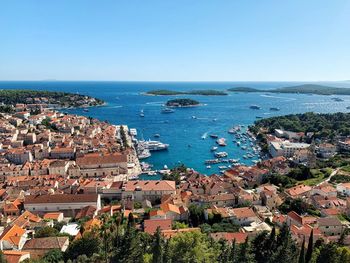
[(48, 98), (182, 103)]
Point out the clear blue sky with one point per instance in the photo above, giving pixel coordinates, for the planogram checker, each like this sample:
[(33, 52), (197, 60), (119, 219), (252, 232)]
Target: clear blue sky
[(183, 40)]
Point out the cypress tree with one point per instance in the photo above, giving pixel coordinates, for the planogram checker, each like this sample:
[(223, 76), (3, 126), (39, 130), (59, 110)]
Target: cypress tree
[(158, 249), (233, 251), (302, 252), (309, 247)]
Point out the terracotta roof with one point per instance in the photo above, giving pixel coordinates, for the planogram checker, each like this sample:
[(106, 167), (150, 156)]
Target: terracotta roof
[(238, 237), (12, 234), (170, 207), (13, 256), (60, 198), (151, 225), (87, 211), (151, 185), (171, 233), (329, 221), (298, 190), (26, 218), (53, 215), (91, 159), (243, 212), (46, 243)]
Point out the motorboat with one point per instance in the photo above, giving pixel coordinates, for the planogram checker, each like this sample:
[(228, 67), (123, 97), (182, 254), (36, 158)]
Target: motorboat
[(214, 148), (215, 136), (221, 154), (167, 110), (221, 142), (255, 107)]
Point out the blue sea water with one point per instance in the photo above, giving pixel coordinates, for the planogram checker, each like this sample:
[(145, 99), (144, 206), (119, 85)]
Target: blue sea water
[(179, 129)]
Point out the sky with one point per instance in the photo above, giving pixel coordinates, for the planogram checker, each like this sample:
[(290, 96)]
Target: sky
[(178, 40)]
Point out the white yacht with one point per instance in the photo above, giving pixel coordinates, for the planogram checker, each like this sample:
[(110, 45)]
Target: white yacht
[(154, 145)]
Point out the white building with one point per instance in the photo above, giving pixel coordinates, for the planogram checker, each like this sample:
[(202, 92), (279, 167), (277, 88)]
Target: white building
[(286, 148)]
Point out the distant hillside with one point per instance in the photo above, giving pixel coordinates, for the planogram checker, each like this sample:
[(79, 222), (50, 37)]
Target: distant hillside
[(314, 89), (165, 92), (303, 89), (63, 99), (244, 89)]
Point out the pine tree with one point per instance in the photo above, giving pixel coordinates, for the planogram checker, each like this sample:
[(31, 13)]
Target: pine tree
[(310, 247), (158, 247), (302, 252)]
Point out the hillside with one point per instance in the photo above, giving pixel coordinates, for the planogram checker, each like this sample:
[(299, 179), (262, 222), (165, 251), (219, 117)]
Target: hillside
[(302, 89), (62, 99), (165, 92)]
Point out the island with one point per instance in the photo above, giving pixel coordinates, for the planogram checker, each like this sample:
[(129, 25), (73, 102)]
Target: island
[(47, 98), (182, 103), (164, 92), (302, 89)]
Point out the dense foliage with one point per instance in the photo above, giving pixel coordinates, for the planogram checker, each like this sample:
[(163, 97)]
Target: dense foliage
[(164, 92), (303, 89), (12, 97), (324, 126), (181, 103)]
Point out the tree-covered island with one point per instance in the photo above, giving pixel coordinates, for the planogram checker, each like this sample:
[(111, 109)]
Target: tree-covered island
[(51, 98), (182, 103), (302, 89), (164, 92)]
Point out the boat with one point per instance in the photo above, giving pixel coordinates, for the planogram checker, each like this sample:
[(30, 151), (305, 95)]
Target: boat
[(222, 167), (154, 145), (259, 117), (215, 136), (208, 166), (221, 154), (214, 148), (238, 143), (255, 107), (167, 110), (144, 154), (85, 110), (348, 107), (157, 135), (274, 109), (194, 117), (221, 141), (142, 114)]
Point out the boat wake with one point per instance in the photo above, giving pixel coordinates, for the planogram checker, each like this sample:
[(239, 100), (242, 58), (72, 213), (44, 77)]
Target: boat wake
[(114, 107), (155, 103), (277, 97)]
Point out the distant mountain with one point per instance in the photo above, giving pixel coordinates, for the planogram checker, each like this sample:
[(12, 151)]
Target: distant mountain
[(303, 89)]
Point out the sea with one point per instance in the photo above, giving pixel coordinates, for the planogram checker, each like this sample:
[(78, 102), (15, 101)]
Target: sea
[(187, 130)]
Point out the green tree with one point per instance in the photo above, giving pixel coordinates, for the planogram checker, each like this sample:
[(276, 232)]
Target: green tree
[(244, 254), (302, 252), (158, 247), (53, 256), (191, 247), (87, 245), (309, 247), (47, 231)]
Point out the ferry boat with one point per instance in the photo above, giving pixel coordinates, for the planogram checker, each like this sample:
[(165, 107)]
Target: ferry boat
[(215, 136), (167, 110), (221, 154), (274, 109), (221, 142), (255, 107)]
